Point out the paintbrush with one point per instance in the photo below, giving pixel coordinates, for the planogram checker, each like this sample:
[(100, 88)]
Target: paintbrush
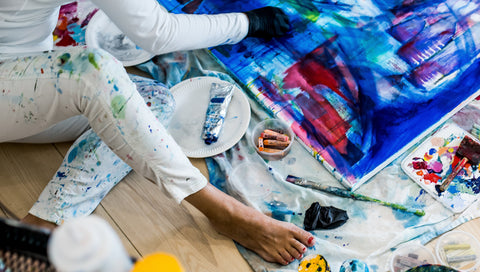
[(468, 150), (348, 194)]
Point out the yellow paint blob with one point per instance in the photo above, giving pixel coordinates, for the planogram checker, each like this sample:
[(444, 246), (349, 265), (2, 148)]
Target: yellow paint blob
[(314, 263), (158, 262)]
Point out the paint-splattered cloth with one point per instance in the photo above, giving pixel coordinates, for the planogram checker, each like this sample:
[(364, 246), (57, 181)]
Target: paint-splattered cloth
[(372, 230)]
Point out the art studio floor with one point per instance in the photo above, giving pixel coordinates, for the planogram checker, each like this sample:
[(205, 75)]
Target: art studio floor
[(143, 217)]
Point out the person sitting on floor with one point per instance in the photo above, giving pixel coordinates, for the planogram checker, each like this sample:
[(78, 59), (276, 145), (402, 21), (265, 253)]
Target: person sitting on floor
[(42, 88)]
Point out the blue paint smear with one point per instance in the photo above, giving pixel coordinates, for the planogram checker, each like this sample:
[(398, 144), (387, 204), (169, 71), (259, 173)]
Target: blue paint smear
[(374, 268), (280, 210), (216, 175), (410, 219), (473, 184), (354, 265), (77, 33), (72, 154), (61, 175)]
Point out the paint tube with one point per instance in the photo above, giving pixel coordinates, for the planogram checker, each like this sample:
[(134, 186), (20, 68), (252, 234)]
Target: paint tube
[(220, 96)]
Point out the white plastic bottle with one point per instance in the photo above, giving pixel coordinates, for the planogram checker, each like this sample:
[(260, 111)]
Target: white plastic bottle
[(87, 244)]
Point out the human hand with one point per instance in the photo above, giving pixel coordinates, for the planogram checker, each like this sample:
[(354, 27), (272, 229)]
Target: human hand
[(267, 22)]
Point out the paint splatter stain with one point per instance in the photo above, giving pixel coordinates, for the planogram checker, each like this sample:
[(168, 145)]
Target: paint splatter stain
[(314, 263), (64, 58), (354, 265), (91, 59), (118, 106), (61, 175), (72, 154)]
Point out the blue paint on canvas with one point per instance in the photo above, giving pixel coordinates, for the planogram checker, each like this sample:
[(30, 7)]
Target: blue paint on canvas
[(358, 81)]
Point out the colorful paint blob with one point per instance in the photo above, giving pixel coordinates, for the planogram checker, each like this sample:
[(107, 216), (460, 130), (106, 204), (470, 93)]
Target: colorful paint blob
[(314, 263), (354, 265), (72, 21)]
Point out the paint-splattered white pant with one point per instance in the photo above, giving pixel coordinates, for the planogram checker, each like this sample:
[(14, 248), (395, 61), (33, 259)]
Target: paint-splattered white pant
[(40, 91)]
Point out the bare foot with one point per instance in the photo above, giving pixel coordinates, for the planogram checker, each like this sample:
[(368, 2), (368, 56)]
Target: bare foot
[(38, 222), (273, 240)]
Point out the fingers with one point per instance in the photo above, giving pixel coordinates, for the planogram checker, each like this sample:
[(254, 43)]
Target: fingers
[(267, 22)]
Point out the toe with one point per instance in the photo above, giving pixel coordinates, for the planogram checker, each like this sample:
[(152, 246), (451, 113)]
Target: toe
[(304, 237), (286, 257), (297, 250)]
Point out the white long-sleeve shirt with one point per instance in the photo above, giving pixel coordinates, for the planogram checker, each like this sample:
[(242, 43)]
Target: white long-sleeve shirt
[(27, 25)]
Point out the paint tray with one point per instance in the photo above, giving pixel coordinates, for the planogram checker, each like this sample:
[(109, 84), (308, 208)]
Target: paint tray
[(431, 162)]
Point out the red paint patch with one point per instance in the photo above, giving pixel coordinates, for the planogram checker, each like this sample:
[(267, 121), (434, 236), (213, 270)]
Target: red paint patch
[(419, 165), (431, 177)]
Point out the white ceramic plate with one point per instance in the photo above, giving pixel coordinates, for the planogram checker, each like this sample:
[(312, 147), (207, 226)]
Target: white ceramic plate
[(102, 33), (186, 126)]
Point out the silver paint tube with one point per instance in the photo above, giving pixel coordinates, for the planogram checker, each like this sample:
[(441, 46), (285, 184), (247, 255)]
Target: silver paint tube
[(220, 96)]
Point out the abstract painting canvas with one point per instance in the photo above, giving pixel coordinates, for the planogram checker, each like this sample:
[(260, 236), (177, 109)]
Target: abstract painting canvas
[(358, 81)]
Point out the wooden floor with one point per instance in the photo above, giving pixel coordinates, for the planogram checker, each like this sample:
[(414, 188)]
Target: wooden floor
[(143, 217)]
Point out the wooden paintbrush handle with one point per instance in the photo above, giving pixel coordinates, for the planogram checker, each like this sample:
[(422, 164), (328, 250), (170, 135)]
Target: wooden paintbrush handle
[(452, 175)]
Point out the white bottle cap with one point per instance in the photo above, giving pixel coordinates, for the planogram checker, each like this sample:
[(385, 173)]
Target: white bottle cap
[(87, 244)]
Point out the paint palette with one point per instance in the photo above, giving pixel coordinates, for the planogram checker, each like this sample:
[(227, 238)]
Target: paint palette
[(186, 127), (103, 33), (431, 162)]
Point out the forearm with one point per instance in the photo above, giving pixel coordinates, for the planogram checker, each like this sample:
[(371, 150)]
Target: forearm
[(156, 30)]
